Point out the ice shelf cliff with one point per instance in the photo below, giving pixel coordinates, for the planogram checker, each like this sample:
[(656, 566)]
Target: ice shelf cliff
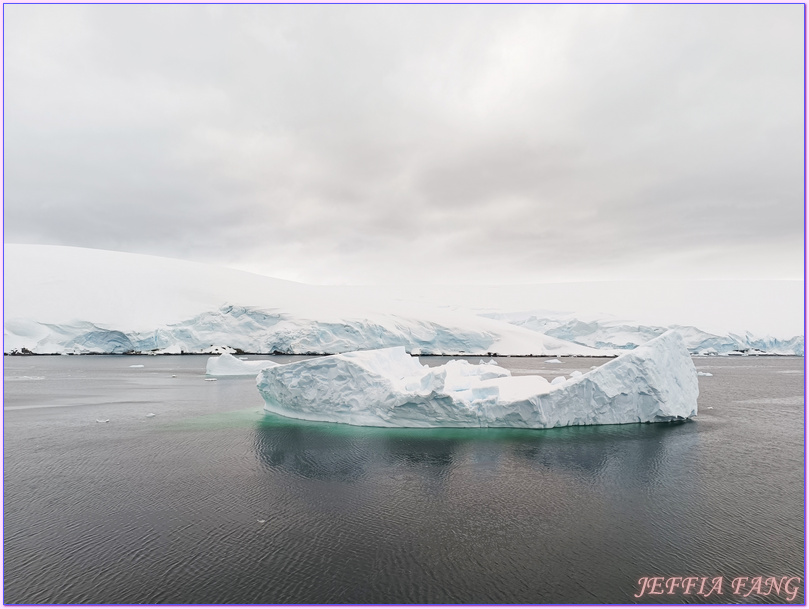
[(72, 300), (656, 382), (623, 335)]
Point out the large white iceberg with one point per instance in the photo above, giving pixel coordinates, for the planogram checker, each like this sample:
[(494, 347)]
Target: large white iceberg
[(388, 388), (227, 365)]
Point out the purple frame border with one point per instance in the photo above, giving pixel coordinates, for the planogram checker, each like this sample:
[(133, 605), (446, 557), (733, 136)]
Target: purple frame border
[(460, 3)]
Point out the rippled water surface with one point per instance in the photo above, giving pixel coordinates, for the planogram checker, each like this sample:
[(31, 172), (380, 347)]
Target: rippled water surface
[(212, 501)]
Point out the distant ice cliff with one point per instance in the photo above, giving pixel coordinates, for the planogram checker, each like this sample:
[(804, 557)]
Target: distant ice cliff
[(76, 300), (608, 334)]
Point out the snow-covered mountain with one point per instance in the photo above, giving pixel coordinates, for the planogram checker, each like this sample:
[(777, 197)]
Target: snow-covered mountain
[(260, 330), (76, 300), (622, 335)]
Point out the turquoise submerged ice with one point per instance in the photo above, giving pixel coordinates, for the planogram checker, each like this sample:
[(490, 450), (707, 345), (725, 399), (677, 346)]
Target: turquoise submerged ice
[(655, 382)]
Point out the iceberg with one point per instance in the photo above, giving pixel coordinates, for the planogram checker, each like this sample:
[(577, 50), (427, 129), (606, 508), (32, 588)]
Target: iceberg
[(655, 382), (227, 365)]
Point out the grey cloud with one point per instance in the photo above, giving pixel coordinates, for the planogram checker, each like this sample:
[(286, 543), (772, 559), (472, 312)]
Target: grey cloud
[(385, 143)]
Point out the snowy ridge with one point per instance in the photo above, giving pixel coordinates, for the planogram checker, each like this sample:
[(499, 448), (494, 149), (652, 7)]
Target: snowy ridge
[(623, 335), (387, 388), (76, 300), (251, 330)]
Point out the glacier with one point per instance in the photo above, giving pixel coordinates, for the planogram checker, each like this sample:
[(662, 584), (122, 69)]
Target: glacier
[(655, 382), (235, 329), (243, 329), (67, 300), (621, 335), (71, 300)]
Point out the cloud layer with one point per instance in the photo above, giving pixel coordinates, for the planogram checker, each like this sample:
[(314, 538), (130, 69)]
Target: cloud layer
[(365, 144)]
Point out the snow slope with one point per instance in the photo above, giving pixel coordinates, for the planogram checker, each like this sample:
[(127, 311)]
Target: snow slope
[(75, 300), (619, 334), (720, 307), (387, 388)]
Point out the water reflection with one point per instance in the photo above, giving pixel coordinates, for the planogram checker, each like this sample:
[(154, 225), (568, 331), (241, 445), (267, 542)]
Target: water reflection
[(421, 452), (309, 452), (333, 452), (166, 510), (592, 452)]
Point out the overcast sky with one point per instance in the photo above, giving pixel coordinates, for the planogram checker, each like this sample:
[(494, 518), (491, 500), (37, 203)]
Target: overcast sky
[(416, 144)]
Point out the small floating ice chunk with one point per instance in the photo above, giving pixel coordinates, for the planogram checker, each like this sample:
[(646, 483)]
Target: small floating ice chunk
[(136, 366), (553, 361), (700, 373), (227, 365), (558, 380), (174, 376), (210, 379), (102, 420), (150, 415), (575, 373), (261, 521)]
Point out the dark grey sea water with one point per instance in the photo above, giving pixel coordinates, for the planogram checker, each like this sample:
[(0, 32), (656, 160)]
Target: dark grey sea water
[(213, 501)]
